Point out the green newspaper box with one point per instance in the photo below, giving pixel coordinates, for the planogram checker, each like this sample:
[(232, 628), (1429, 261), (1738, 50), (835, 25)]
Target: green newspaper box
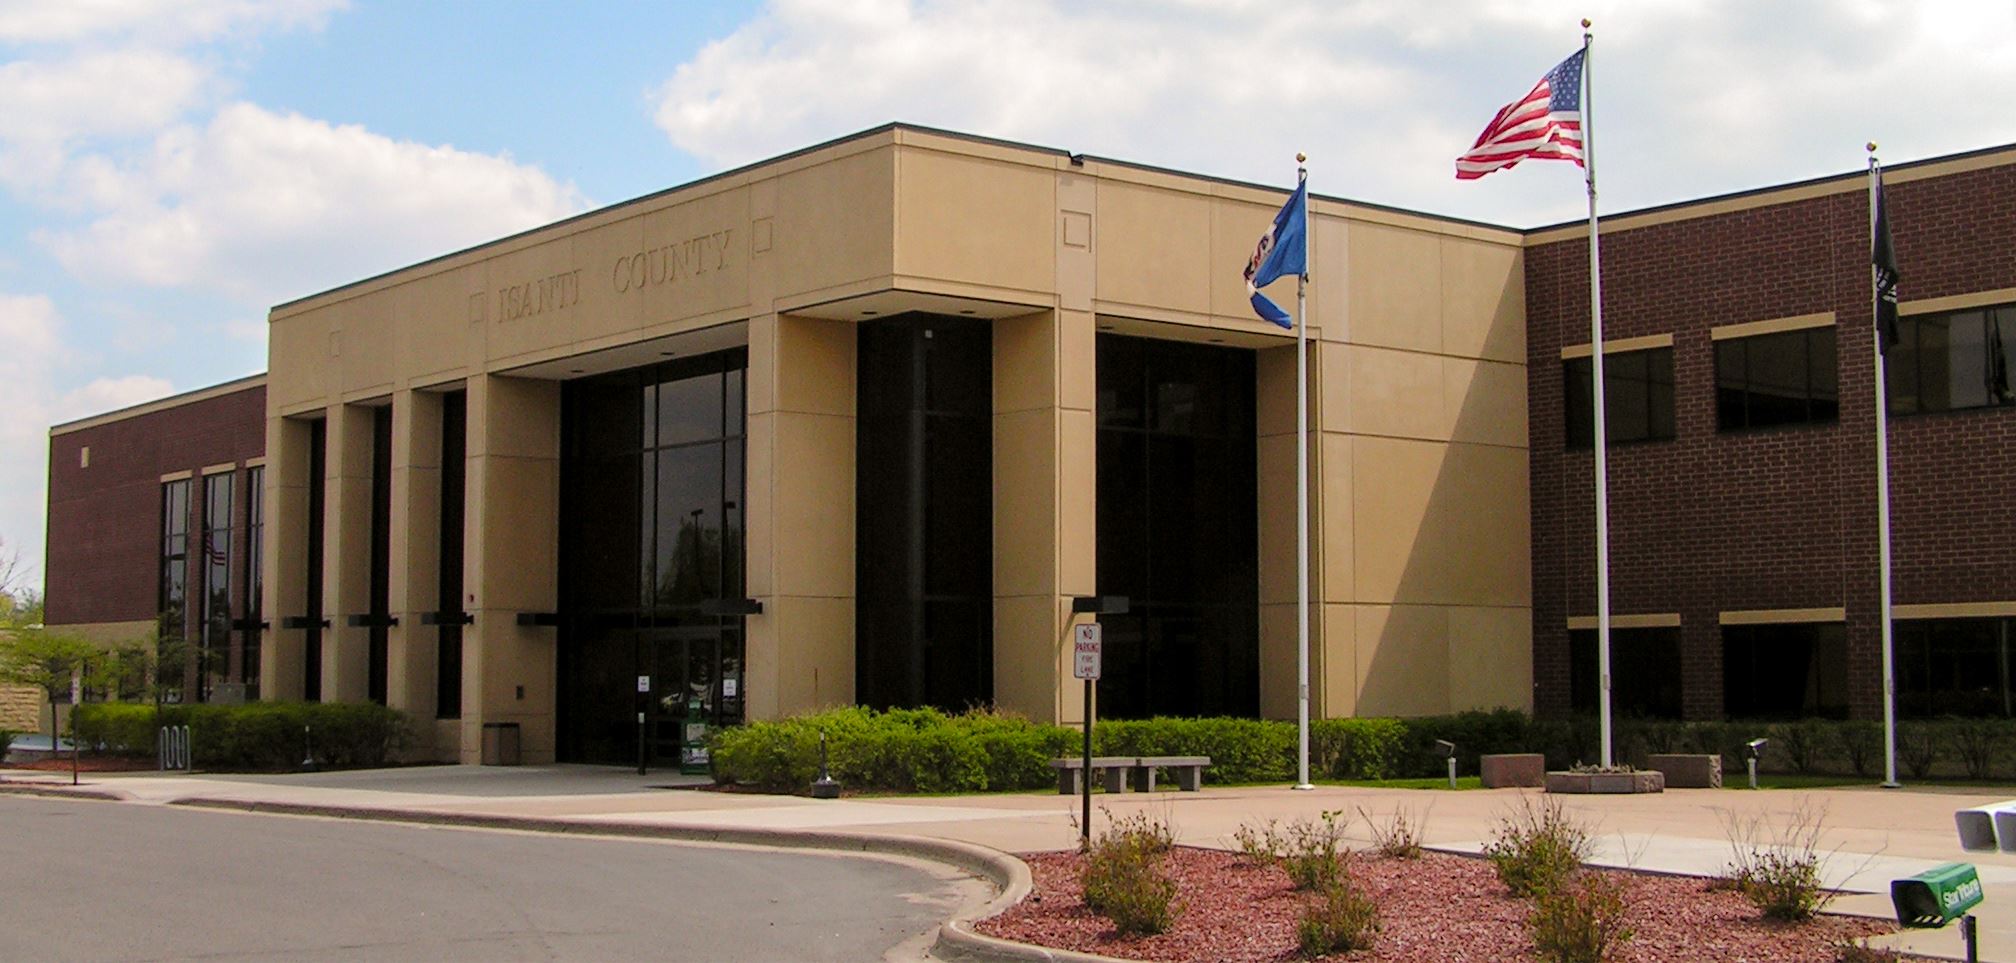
[(1937, 896)]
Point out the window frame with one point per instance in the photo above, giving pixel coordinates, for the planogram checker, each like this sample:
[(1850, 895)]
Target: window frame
[(1905, 383), (1578, 391), (1811, 398)]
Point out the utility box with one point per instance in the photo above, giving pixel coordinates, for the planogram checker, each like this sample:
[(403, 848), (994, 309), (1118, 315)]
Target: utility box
[(500, 743), (1937, 896)]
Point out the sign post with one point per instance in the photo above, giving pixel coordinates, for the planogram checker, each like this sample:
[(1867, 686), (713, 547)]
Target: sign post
[(1086, 646)]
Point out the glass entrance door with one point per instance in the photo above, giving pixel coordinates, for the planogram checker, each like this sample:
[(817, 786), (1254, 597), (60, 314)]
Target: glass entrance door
[(695, 687)]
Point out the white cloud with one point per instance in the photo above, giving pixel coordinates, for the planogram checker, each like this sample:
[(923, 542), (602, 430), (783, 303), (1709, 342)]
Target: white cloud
[(168, 21), (265, 206), (1692, 98), (30, 401)]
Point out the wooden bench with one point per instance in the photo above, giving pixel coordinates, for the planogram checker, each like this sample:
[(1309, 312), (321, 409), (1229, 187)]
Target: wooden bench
[(1119, 773)]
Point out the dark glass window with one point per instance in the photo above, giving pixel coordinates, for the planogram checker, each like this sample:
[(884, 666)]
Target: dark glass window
[(448, 648), (924, 565), (174, 588), (381, 551), (1785, 671), (213, 655), (255, 580), (1947, 362), (650, 534), (1785, 378), (1954, 667), (1178, 528), (311, 639), (1637, 399), (1644, 672)]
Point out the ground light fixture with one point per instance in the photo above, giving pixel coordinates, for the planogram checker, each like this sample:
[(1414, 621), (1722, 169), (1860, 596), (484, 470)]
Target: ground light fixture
[(1447, 750), (824, 787), (1752, 750)]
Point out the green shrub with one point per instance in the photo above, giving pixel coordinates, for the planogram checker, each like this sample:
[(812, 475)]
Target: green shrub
[(1784, 886), (6, 741), (1475, 733), (1537, 846), (255, 735), (1581, 920), (1241, 750), (1861, 742), (1802, 742), (1340, 920), (1920, 747), (1122, 877), (1312, 860), (1367, 748), (1979, 744), (1262, 845), (900, 750)]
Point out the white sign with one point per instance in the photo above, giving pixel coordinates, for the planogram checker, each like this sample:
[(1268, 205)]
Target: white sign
[(1085, 646), (727, 688), (644, 683)]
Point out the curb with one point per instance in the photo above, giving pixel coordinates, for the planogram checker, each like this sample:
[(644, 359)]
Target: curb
[(57, 792), (956, 939)]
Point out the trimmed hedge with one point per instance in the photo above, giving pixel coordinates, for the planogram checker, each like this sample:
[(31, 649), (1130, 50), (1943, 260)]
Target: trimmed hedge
[(926, 750), (255, 735), (921, 750)]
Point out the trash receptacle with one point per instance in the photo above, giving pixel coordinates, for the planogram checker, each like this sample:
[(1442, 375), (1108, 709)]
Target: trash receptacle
[(500, 743)]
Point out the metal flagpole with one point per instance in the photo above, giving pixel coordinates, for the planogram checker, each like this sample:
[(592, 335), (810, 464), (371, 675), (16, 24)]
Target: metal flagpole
[(1596, 378), (1302, 487), (1882, 487)]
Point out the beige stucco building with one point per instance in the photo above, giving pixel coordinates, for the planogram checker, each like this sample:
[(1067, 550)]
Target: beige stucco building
[(445, 424)]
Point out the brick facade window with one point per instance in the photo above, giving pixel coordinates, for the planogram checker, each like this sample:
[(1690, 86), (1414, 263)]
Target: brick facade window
[(1637, 397), (1951, 361), (1954, 667), (1783, 378), (1789, 671), (1644, 672)]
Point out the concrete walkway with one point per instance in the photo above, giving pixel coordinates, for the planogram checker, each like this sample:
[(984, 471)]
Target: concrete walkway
[(1871, 836)]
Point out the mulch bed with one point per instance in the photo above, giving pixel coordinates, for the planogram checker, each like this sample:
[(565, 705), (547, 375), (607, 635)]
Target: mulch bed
[(1437, 908)]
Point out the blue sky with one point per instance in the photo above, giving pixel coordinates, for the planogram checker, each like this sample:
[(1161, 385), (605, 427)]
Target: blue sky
[(169, 169)]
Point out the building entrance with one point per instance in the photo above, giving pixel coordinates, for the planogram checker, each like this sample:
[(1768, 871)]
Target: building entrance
[(651, 549), (695, 688)]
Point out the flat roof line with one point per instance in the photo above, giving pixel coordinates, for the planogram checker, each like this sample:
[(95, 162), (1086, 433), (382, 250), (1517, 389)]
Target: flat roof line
[(162, 404)]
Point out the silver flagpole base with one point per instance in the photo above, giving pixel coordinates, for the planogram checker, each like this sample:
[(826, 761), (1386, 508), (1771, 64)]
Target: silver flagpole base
[(1303, 785)]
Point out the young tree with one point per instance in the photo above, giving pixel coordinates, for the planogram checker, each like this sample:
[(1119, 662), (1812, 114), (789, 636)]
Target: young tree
[(46, 660)]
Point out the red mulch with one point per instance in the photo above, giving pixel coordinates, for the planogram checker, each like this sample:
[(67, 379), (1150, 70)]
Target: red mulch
[(1437, 908)]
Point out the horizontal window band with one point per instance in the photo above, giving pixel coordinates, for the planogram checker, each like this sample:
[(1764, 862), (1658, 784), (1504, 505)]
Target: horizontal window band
[(1782, 616), (1657, 620), (1619, 346), (1954, 610), (1748, 329), (1958, 302)]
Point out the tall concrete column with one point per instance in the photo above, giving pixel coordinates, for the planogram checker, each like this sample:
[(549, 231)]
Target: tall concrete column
[(511, 564), (1045, 504), (800, 515), (282, 661), (416, 560), (346, 554)]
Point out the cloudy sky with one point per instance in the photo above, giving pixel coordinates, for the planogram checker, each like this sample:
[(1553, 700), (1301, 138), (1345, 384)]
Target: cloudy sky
[(169, 169)]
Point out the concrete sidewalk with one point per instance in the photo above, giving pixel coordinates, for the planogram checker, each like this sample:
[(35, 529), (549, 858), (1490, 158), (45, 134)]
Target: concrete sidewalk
[(1872, 836)]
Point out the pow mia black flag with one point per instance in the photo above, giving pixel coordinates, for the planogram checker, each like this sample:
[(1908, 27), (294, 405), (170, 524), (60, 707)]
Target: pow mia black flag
[(1885, 260)]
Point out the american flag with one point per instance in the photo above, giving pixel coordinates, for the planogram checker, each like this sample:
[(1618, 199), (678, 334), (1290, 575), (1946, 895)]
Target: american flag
[(1545, 124)]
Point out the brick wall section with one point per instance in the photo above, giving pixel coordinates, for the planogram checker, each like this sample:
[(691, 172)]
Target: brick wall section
[(105, 520), (1776, 518)]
